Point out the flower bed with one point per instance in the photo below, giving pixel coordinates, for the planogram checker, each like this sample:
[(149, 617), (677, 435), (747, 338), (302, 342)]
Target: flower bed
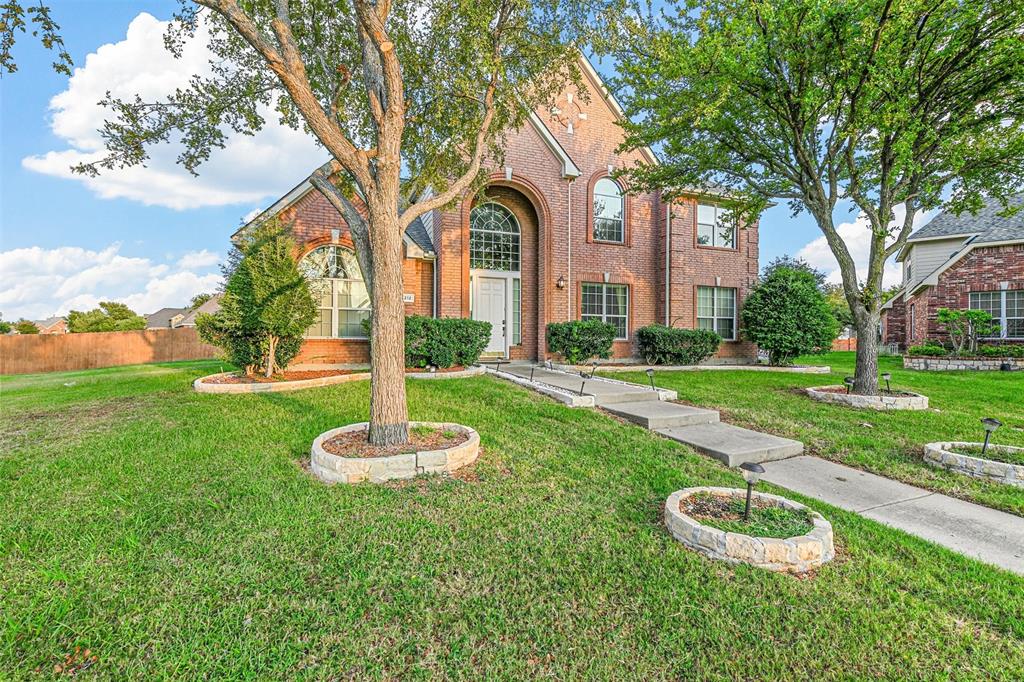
[(797, 554), (444, 455), (893, 400), (1002, 463), (945, 363), (232, 382)]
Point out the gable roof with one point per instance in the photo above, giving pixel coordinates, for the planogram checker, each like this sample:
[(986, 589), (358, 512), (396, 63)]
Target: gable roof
[(163, 317), (48, 322), (211, 306), (987, 224)]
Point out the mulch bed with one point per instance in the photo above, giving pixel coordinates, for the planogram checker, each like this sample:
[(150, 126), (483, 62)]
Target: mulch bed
[(887, 394), (719, 507), (297, 375), (767, 518), (354, 443)]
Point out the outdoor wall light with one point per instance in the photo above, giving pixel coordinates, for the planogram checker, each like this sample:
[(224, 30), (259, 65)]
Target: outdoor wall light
[(751, 474), (990, 425), (886, 376), (561, 282), (849, 383), (650, 376)]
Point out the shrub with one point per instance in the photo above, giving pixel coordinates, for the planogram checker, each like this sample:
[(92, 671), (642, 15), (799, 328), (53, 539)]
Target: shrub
[(965, 327), (267, 305), (109, 317), (26, 327), (661, 345), (929, 348), (443, 342), (787, 315), (1007, 351), (578, 341)]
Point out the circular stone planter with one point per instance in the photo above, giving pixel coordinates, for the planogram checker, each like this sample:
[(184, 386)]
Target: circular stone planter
[(337, 469), (205, 385), (941, 455), (790, 555), (913, 401)]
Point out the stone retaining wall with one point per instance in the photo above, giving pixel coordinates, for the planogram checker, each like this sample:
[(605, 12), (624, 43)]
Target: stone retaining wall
[(914, 401), (792, 555), (940, 455), (949, 364)]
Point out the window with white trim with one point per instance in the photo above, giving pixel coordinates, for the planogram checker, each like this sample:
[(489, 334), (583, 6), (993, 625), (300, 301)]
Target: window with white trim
[(493, 238), (716, 310), (1006, 308), (715, 226), (607, 303), (337, 285), (608, 212)]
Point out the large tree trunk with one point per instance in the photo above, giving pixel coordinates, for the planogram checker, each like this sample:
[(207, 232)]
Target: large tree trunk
[(389, 417), (866, 373)]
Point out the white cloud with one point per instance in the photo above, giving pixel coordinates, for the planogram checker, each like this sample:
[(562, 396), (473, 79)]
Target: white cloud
[(247, 170), (857, 235), (41, 282)]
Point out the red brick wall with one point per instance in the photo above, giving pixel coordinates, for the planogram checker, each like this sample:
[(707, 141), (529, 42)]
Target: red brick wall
[(894, 323)]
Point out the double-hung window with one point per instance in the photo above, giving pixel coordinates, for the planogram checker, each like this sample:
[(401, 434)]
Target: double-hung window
[(715, 227), (1006, 308), (716, 310), (607, 303)]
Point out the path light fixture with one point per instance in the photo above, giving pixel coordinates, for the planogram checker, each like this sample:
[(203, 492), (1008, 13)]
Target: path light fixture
[(886, 376), (593, 369), (551, 367), (751, 474), (532, 368), (849, 384), (584, 382), (990, 425), (650, 377)]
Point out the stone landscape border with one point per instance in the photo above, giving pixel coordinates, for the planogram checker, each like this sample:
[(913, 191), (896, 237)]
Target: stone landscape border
[(336, 469), (797, 554), (204, 385), (943, 364), (561, 395), (940, 454), (914, 401), (796, 369)]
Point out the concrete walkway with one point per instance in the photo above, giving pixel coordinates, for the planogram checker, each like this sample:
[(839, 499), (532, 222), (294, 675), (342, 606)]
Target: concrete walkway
[(976, 531)]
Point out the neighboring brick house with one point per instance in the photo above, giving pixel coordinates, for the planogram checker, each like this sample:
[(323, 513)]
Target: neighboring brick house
[(166, 318), (52, 325), (551, 238), (960, 262)]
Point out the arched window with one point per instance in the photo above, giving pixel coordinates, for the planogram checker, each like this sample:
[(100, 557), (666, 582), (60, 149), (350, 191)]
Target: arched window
[(493, 238), (338, 287), (608, 210)]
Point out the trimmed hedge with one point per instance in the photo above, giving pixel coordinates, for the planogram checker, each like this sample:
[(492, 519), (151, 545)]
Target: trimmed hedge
[(989, 350), (661, 345), (442, 342), (579, 341), (929, 348)]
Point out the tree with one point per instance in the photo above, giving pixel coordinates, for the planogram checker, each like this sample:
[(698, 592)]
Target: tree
[(873, 103), (794, 263), (109, 317), (836, 298), (199, 299), (267, 305), (5, 327), (13, 14), (425, 88), (787, 315), (24, 326), (965, 327)]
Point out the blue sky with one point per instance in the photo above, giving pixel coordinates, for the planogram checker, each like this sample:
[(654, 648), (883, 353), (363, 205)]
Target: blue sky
[(151, 237)]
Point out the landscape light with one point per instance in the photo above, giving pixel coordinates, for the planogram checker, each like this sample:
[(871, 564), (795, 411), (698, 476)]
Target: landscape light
[(584, 382), (849, 383), (532, 368), (990, 425), (650, 376), (593, 369), (886, 376), (751, 474)]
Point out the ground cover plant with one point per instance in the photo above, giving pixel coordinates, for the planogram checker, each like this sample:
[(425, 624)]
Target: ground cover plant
[(994, 454), (887, 443), (159, 530), (767, 520)]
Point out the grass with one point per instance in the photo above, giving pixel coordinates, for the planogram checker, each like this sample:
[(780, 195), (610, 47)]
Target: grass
[(176, 535), (887, 443), (993, 453), (766, 521)]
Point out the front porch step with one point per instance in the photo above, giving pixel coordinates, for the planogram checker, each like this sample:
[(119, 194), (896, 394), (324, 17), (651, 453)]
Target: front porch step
[(660, 415), (733, 445)]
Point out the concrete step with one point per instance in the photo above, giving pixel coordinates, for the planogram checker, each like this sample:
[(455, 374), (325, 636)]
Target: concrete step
[(660, 415), (733, 445)]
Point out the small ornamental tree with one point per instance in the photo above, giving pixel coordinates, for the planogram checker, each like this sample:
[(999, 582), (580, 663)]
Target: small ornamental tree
[(24, 326), (787, 315), (965, 327), (267, 305), (5, 327), (109, 317)]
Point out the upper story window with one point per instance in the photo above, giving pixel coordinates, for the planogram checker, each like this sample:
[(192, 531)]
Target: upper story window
[(608, 212), (337, 285), (493, 238), (715, 227)]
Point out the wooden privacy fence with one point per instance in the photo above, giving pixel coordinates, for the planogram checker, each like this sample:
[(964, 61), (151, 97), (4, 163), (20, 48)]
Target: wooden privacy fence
[(32, 353)]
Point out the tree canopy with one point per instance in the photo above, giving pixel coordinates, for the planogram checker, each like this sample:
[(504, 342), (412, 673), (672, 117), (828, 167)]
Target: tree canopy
[(110, 316)]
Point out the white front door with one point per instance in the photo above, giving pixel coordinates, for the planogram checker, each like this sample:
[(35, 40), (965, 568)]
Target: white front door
[(489, 303)]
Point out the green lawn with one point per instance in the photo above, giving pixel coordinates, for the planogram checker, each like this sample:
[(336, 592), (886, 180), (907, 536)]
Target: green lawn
[(176, 535), (887, 443)]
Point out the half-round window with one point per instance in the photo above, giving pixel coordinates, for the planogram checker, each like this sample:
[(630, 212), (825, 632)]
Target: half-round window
[(493, 238), (608, 205), (338, 287)]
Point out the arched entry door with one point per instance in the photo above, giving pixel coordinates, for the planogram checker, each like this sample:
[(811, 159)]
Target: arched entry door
[(494, 275)]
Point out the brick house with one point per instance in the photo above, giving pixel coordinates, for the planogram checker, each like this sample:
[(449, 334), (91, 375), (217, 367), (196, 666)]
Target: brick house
[(552, 237), (52, 325), (960, 262)]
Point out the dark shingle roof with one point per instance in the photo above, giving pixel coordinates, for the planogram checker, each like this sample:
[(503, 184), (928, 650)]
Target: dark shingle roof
[(417, 232), (987, 224), (163, 317)]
